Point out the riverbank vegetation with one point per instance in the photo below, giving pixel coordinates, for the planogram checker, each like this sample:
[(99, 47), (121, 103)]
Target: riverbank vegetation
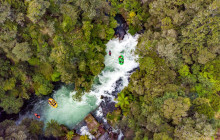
[(43, 42), (175, 94), (28, 129), (33, 129)]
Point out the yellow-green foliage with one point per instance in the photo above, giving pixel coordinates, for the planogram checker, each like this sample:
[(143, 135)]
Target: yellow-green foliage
[(70, 135), (85, 137)]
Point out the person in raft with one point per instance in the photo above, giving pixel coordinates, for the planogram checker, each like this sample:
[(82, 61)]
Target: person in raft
[(38, 116), (110, 53), (52, 103), (121, 60)]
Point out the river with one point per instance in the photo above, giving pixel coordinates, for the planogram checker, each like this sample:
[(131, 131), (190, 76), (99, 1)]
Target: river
[(70, 112)]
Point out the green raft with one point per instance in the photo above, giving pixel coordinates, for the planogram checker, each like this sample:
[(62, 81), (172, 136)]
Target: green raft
[(121, 59)]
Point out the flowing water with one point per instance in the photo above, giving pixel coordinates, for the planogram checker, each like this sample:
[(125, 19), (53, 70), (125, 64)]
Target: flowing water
[(70, 112)]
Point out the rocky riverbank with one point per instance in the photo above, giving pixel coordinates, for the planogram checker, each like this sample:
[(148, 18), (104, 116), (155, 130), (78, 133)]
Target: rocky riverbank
[(100, 113)]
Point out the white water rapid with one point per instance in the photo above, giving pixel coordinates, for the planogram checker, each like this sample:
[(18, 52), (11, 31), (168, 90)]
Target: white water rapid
[(70, 112)]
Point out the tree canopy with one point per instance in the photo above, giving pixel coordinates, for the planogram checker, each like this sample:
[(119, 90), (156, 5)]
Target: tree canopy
[(175, 93)]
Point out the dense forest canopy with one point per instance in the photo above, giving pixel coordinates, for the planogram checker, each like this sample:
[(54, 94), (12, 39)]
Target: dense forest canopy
[(48, 41), (174, 95)]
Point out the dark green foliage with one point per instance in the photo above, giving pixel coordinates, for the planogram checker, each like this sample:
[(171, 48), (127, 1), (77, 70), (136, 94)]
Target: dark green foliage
[(41, 85), (11, 104), (53, 129), (6, 123), (4, 67), (49, 41), (114, 117), (175, 94), (35, 127), (28, 129), (202, 106)]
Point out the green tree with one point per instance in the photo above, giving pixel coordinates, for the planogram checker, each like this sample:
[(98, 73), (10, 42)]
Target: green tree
[(69, 17), (92, 8), (176, 109), (110, 33), (55, 76), (147, 64), (2, 93), (87, 27), (162, 136), (10, 104), (180, 38), (53, 129), (184, 71), (205, 56), (82, 66), (16, 132), (9, 84), (215, 102), (5, 11), (85, 137), (4, 68), (114, 117), (166, 23), (6, 123), (22, 51), (70, 135), (36, 9), (20, 19), (123, 101), (48, 27), (35, 127), (167, 47), (197, 43), (10, 130), (202, 106), (41, 85)]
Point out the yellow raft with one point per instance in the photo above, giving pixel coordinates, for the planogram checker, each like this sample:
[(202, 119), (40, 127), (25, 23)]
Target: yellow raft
[(52, 102)]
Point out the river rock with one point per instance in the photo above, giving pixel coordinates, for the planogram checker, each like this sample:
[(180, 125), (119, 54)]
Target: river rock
[(120, 30)]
